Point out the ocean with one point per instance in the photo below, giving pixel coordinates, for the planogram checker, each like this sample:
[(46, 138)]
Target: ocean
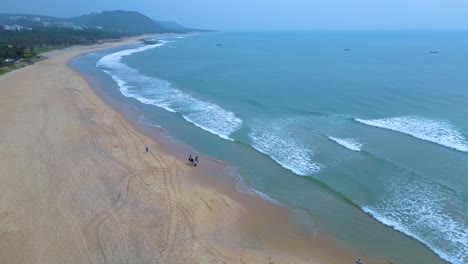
[(363, 134)]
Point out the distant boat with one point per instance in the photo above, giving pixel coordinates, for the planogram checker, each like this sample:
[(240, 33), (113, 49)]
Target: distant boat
[(347, 49), (218, 45), (434, 52)]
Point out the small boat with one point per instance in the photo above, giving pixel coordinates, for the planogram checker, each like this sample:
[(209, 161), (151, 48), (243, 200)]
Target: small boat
[(347, 49), (218, 45), (433, 52)]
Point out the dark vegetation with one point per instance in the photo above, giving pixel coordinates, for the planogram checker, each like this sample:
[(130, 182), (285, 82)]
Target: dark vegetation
[(43, 33), (25, 44), (128, 22)]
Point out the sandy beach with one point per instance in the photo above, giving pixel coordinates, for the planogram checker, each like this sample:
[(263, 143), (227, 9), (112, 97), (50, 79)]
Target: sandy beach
[(77, 186)]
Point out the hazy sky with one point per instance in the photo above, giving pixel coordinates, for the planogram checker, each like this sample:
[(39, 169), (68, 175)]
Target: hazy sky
[(270, 14)]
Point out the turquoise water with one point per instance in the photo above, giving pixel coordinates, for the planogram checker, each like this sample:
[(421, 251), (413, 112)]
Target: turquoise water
[(369, 144)]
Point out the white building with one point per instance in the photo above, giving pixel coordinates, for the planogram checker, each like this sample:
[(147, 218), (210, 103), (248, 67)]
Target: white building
[(12, 27)]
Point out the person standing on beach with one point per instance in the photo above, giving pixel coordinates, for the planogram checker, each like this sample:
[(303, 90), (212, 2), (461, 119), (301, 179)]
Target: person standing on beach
[(146, 148), (358, 261)]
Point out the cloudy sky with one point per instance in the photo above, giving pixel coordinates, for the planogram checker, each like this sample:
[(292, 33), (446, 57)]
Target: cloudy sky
[(270, 14)]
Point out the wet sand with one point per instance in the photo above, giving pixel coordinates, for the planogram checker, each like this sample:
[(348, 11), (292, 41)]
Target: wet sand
[(77, 186)]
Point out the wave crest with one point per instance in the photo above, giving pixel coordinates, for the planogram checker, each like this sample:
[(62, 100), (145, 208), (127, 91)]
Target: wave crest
[(426, 212), (348, 143), (435, 131), (149, 90), (286, 150)]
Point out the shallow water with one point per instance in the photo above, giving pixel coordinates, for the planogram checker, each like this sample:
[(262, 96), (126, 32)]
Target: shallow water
[(359, 140)]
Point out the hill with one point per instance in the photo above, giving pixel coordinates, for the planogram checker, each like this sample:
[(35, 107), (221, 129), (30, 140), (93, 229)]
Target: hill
[(171, 25), (28, 20), (24, 36), (119, 21), (130, 22)]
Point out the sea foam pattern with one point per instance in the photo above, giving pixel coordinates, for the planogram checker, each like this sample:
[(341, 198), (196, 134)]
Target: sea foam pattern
[(284, 148), (435, 131), (149, 90), (427, 212), (348, 143)]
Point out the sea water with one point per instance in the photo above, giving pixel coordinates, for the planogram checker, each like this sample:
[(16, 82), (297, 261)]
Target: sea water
[(365, 133)]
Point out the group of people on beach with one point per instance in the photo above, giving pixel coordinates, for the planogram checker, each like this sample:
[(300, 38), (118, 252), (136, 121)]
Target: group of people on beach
[(193, 161)]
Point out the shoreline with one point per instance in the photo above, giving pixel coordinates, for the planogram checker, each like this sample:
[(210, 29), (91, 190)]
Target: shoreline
[(251, 230)]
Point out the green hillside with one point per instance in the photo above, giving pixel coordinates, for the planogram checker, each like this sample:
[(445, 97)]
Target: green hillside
[(123, 22), (120, 21)]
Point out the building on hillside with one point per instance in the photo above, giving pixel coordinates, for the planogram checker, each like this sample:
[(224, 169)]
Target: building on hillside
[(68, 25), (13, 27)]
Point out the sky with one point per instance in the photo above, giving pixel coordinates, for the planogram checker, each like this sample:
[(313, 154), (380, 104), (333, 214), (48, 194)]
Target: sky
[(270, 14)]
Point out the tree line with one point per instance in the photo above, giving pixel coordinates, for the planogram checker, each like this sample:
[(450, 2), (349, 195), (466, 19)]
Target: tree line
[(25, 43)]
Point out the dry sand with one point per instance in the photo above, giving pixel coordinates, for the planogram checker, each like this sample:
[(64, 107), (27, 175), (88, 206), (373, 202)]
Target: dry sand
[(76, 186)]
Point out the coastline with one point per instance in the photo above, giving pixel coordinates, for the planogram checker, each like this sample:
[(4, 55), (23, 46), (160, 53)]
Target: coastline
[(139, 207)]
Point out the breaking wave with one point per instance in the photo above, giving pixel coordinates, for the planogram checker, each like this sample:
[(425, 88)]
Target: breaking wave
[(435, 131), (152, 91), (348, 143)]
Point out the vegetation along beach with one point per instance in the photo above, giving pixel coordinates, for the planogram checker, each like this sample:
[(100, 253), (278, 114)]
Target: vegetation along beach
[(130, 138)]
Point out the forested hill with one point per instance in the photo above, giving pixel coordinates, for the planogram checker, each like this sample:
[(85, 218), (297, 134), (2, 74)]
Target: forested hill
[(23, 36), (120, 21)]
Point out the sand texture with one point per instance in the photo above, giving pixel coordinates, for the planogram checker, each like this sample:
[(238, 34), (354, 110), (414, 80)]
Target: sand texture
[(76, 186)]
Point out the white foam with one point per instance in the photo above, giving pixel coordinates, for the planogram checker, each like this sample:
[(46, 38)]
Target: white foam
[(152, 91), (427, 213), (286, 150), (348, 143), (115, 58), (435, 131), (241, 187), (262, 195)]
